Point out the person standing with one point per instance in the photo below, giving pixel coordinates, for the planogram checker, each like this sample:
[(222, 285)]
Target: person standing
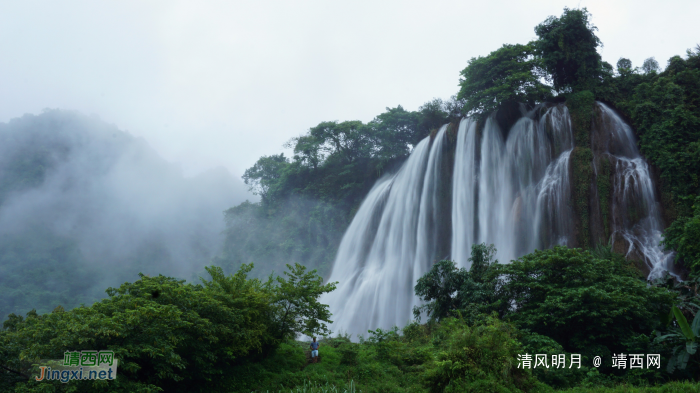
[(314, 351)]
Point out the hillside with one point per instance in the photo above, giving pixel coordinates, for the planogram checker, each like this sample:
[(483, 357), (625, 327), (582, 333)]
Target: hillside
[(84, 206)]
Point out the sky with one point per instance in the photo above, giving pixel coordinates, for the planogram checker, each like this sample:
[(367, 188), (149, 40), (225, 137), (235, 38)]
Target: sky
[(221, 83)]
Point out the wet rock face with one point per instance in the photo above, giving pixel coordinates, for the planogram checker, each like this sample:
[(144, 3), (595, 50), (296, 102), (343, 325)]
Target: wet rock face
[(508, 115), (623, 246), (601, 199), (609, 134)]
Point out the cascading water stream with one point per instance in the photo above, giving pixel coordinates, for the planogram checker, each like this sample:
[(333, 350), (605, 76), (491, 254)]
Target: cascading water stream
[(515, 193), (377, 274), (464, 191), (636, 210)]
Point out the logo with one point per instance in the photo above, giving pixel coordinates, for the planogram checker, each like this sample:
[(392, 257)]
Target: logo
[(79, 365)]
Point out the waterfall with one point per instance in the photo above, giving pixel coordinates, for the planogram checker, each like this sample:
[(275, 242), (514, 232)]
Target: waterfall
[(376, 274), (463, 191), (515, 194), (636, 210), (511, 188)]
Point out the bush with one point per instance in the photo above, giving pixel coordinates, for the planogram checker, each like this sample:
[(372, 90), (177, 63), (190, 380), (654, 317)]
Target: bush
[(349, 354), (478, 358), (590, 306)]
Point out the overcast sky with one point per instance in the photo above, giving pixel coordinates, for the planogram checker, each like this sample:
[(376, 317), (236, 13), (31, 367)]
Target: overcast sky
[(211, 83)]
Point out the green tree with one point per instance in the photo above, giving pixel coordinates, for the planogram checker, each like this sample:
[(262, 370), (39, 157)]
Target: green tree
[(510, 74), (431, 116), (624, 66), (168, 336), (438, 287), (447, 289), (265, 174), (684, 236), (567, 48), (588, 305), (331, 140), (650, 65), (297, 309), (395, 131)]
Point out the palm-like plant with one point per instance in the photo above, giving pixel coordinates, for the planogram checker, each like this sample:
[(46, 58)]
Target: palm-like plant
[(685, 335)]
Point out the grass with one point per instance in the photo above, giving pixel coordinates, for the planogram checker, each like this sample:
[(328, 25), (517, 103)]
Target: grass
[(671, 387), (452, 357), (314, 387)]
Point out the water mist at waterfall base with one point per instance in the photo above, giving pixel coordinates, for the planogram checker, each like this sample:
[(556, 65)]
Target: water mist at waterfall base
[(508, 187)]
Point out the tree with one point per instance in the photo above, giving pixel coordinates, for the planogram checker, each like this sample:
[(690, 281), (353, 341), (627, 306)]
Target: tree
[(589, 305), (431, 115), (297, 309), (394, 131), (510, 74), (624, 66), (684, 236), (167, 335), (567, 49), (438, 287), (481, 260), (265, 173), (650, 65), (676, 65), (345, 141), (449, 289)]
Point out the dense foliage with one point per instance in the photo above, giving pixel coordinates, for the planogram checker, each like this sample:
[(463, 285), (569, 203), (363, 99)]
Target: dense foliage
[(59, 274), (169, 335), (568, 48), (572, 301), (236, 334), (684, 237), (587, 304), (446, 289), (509, 75)]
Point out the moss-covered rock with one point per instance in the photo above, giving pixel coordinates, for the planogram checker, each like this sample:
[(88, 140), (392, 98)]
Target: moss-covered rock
[(581, 109), (581, 189)]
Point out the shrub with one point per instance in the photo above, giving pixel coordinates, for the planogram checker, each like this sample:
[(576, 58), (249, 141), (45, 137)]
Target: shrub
[(481, 358)]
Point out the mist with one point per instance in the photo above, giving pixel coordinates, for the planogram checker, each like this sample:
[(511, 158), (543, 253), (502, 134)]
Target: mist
[(85, 206)]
